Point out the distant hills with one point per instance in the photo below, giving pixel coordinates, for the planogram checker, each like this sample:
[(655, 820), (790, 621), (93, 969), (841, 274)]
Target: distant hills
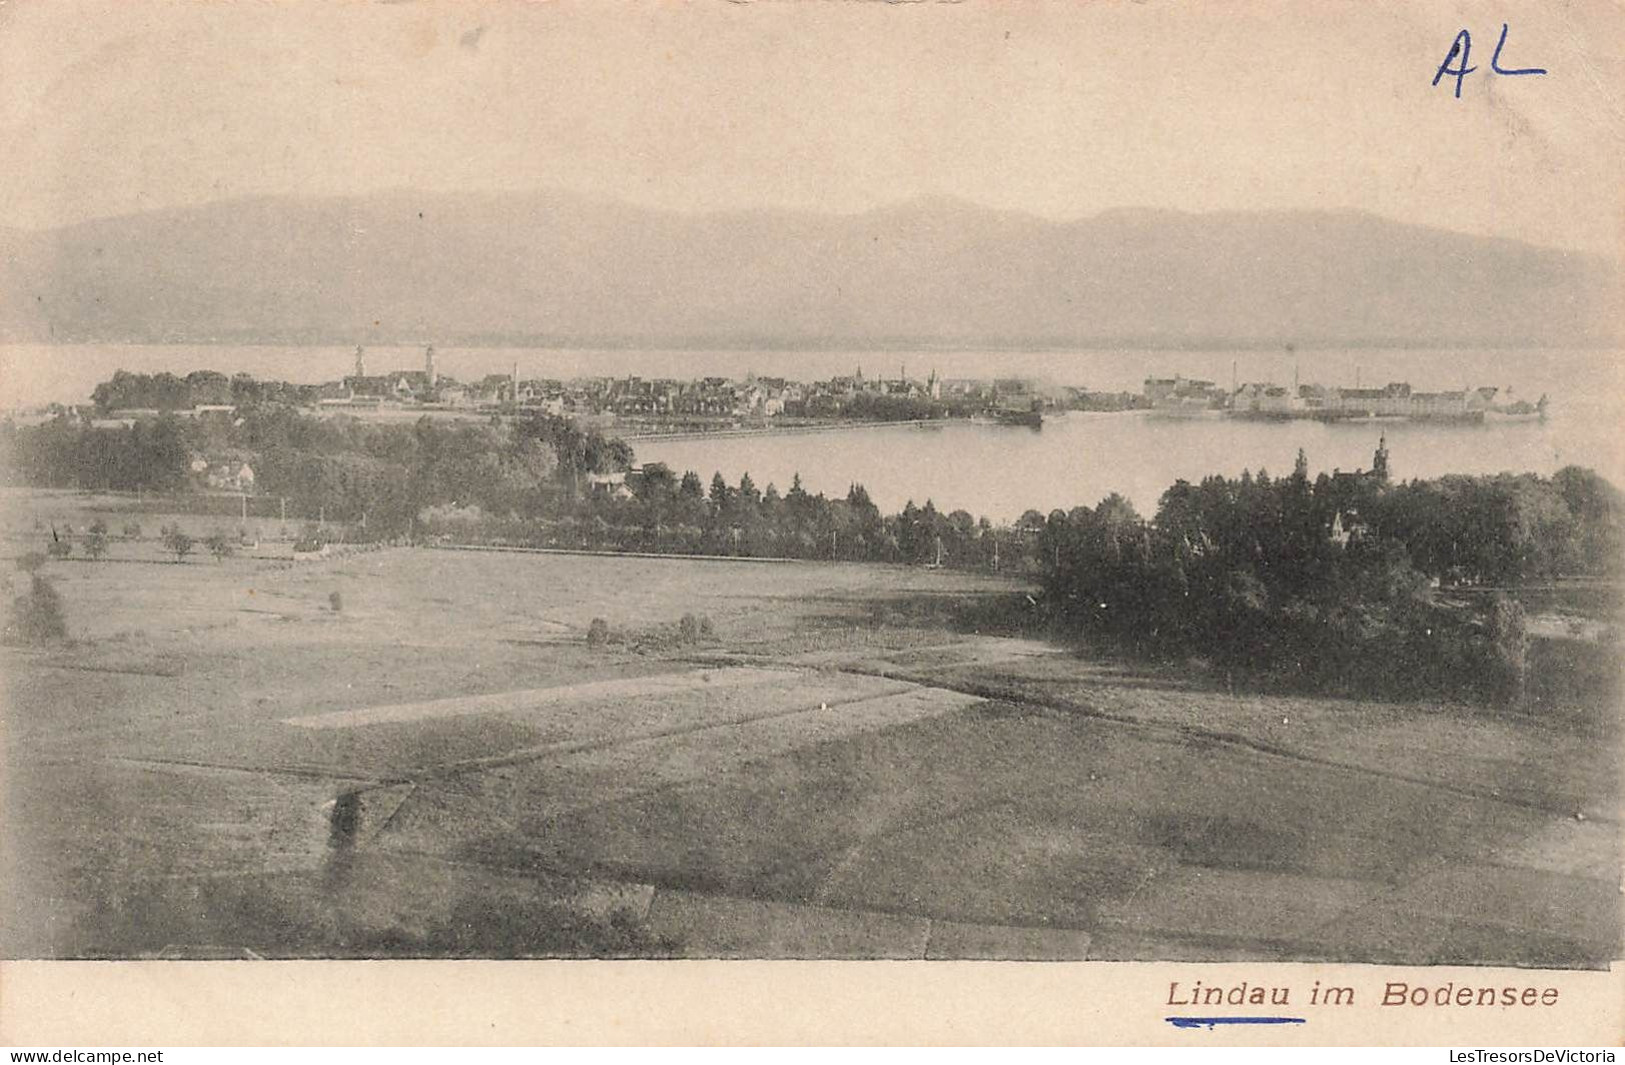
[(537, 269)]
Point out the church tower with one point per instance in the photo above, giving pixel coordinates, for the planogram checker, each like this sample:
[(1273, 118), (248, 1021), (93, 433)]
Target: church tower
[(360, 362), (428, 366), (1379, 461)]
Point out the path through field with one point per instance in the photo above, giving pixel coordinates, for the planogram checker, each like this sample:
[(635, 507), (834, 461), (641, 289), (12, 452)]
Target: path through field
[(225, 764)]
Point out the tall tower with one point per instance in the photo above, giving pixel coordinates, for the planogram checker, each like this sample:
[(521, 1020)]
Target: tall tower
[(513, 384), (1379, 461), (360, 362), (428, 366)]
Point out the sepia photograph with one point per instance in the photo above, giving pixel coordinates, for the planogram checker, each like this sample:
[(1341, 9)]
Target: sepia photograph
[(1034, 482)]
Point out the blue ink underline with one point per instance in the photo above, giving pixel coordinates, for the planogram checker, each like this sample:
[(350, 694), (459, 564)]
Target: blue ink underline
[(1210, 1022)]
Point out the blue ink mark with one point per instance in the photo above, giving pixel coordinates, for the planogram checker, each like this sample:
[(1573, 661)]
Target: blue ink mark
[(1210, 1022), (1462, 46), (1495, 60)]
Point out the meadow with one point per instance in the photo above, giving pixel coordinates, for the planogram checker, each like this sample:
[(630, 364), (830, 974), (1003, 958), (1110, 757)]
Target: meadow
[(417, 752)]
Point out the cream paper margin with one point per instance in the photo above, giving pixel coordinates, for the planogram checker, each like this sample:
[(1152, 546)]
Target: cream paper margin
[(476, 1003)]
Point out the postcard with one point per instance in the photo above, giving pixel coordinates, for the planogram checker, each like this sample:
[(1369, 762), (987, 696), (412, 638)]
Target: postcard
[(780, 522)]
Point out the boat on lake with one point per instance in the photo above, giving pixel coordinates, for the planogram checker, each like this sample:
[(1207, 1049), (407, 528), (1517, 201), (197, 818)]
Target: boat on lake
[(1032, 418)]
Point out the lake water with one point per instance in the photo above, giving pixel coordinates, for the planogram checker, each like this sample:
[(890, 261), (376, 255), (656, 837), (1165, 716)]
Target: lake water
[(991, 470), (1082, 457)]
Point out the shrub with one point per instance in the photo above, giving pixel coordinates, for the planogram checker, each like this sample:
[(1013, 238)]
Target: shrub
[(132, 530), (179, 543), (707, 632), (336, 601), (59, 548), (96, 544), (220, 546), (597, 632), (1509, 641), (37, 617), (688, 629)]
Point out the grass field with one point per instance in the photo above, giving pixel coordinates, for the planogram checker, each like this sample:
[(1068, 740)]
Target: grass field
[(223, 763)]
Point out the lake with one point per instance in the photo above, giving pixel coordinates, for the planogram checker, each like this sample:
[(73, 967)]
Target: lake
[(1081, 457), (991, 470)]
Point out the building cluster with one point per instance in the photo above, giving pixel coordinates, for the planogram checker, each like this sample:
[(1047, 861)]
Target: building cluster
[(1394, 400), (752, 396), (221, 472), (1397, 399)]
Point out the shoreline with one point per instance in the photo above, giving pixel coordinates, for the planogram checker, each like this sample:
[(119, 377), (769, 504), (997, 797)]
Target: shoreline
[(771, 430)]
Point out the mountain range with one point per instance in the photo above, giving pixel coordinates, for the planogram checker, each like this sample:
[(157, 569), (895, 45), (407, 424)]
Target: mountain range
[(521, 269)]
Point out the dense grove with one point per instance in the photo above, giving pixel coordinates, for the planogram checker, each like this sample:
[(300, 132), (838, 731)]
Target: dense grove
[(1332, 583), (167, 392)]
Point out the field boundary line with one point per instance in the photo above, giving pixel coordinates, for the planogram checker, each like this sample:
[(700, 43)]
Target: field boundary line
[(531, 754), (992, 693), (619, 554)]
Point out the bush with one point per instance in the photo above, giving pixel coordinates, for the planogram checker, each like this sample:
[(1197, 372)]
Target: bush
[(1509, 642), (597, 632), (59, 548), (179, 543), (707, 632), (220, 546), (132, 530), (37, 617), (336, 601), (688, 629), (96, 544)]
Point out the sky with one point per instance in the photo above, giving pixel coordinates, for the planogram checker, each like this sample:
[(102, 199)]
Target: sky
[(1058, 109)]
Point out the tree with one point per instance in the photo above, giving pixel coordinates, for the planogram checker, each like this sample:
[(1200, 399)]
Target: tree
[(720, 492), (179, 543), (659, 481), (1509, 637), (96, 544), (37, 616), (1117, 513), (220, 546)]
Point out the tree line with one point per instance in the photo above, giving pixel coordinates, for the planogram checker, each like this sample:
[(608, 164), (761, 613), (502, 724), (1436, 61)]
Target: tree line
[(544, 481), (169, 392)]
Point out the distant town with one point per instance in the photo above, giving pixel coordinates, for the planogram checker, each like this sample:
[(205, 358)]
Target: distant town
[(639, 407), (1394, 400)]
